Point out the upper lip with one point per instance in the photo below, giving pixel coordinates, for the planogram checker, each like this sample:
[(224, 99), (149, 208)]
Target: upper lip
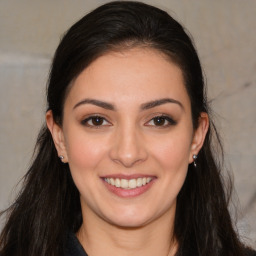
[(128, 177)]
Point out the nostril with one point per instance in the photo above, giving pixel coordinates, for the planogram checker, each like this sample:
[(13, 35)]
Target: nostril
[(128, 159), (128, 148)]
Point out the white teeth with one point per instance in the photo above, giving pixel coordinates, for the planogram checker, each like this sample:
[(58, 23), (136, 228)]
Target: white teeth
[(112, 181), (124, 183), (132, 183), (117, 183), (128, 184), (139, 182)]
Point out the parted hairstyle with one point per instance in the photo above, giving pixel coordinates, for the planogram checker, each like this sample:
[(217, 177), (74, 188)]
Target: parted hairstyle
[(48, 205)]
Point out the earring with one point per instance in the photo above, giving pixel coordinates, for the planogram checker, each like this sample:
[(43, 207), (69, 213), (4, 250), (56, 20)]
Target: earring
[(61, 158), (194, 157)]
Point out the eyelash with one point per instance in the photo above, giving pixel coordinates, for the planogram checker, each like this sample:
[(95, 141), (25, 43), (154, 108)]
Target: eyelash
[(101, 119), (91, 118), (168, 121)]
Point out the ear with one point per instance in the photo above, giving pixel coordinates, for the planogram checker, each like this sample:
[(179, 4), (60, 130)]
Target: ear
[(199, 135), (57, 135)]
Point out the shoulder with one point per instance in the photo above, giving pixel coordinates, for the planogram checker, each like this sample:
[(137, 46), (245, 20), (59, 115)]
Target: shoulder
[(73, 246)]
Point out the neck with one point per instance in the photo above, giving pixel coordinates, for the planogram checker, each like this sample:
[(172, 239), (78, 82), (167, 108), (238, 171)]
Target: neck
[(99, 237)]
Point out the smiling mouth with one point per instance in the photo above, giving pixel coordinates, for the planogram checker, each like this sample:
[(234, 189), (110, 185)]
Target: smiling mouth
[(128, 183)]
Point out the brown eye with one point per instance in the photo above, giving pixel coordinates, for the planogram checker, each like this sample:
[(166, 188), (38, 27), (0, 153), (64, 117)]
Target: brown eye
[(159, 121), (95, 121)]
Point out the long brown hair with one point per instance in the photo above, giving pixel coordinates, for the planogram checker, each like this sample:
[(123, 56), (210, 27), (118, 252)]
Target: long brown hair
[(48, 206)]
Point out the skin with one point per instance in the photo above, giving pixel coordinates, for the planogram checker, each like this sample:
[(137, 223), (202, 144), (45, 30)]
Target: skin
[(128, 141)]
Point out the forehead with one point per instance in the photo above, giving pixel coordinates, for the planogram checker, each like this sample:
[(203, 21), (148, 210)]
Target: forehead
[(140, 73)]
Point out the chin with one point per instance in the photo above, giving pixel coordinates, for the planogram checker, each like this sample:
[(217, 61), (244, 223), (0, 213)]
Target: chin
[(130, 219), (130, 223)]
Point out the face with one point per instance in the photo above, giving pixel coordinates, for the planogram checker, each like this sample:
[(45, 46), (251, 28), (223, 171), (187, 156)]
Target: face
[(127, 136)]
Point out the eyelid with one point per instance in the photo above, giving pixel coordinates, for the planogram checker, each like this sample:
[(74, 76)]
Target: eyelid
[(90, 117), (106, 122), (168, 118)]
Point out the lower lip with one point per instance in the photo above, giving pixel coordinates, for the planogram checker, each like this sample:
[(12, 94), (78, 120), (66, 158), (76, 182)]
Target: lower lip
[(126, 193)]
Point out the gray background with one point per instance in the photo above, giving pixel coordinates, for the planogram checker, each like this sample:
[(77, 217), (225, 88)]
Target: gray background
[(225, 36)]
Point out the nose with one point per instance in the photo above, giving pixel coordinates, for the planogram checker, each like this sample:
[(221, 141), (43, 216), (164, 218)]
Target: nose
[(128, 147)]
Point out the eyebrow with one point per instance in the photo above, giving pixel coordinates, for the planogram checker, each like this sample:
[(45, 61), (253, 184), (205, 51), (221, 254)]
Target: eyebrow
[(98, 103), (159, 102), (144, 106)]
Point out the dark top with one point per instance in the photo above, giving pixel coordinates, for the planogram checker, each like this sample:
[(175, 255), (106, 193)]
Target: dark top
[(74, 248), (249, 252)]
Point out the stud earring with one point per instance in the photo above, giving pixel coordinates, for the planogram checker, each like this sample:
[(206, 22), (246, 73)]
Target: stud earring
[(61, 158), (194, 157)]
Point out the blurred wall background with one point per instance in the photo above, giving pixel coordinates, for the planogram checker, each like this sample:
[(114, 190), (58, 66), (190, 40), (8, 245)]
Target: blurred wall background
[(225, 36)]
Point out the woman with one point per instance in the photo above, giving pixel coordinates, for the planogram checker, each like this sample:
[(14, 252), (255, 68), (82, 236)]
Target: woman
[(125, 165)]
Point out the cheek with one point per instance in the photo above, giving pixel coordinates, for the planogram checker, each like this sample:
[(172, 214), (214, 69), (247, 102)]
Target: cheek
[(85, 156), (172, 158), (173, 152), (84, 152)]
